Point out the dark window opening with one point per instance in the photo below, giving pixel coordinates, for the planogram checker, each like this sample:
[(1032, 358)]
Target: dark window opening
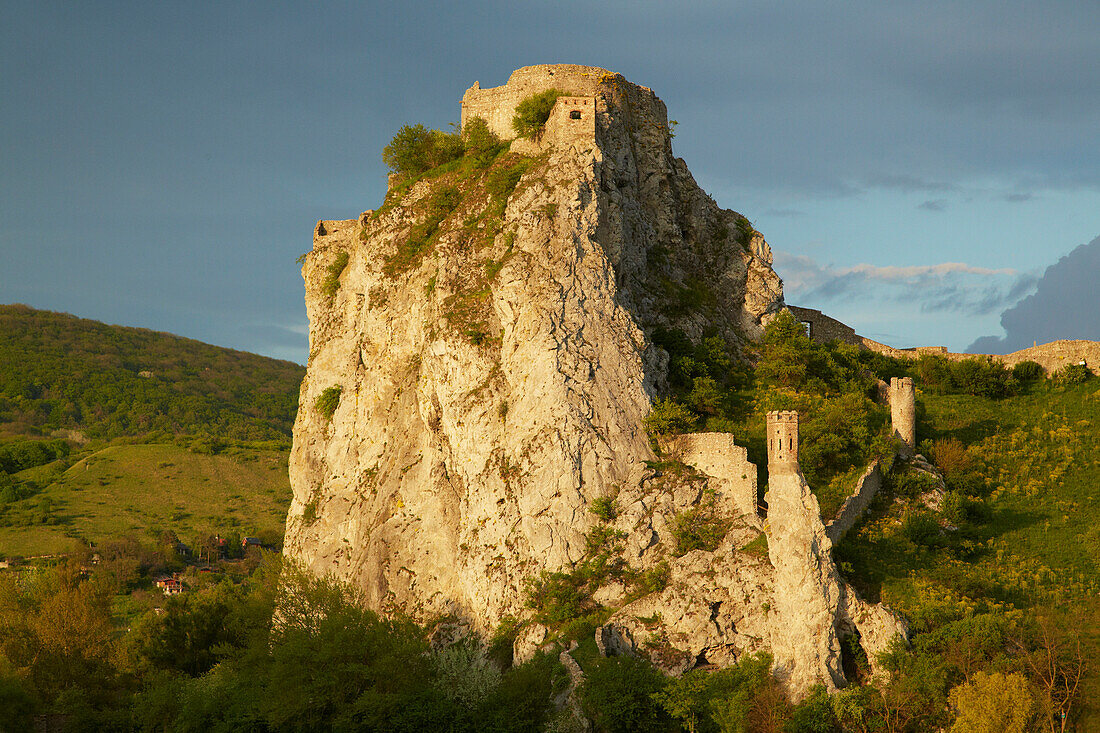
[(575, 114)]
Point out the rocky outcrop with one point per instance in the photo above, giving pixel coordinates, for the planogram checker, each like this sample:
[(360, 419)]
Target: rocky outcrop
[(481, 364)]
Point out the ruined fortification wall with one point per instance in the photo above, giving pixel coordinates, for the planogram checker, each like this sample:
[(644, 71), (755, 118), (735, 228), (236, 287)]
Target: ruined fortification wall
[(857, 502), (824, 329), (497, 105), (1051, 357), (718, 456)]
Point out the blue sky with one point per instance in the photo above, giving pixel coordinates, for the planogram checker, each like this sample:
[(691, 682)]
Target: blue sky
[(917, 167)]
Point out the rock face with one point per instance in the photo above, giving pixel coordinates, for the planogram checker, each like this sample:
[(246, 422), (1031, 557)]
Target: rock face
[(488, 335)]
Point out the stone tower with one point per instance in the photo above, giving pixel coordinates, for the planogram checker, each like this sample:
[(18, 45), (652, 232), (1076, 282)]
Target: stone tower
[(783, 441), (903, 413)]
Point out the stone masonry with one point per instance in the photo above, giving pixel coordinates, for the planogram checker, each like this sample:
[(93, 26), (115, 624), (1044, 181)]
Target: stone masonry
[(903, 413), (497, 105), (807, 594), (718, 456)]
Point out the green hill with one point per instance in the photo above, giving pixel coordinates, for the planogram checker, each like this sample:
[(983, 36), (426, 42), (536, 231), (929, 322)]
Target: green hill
[(62, 372), (108, 431)]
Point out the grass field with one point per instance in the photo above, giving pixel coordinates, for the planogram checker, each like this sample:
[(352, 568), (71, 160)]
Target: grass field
[(138, 489), (1039, 548)]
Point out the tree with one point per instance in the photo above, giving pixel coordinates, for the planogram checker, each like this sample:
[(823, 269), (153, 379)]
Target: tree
[(408, 153), (1054, 658), (618, 695), (479, 142), (993, 703)]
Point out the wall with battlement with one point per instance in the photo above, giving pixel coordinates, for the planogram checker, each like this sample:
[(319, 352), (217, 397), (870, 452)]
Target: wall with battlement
[(718, 456), (497, 105)]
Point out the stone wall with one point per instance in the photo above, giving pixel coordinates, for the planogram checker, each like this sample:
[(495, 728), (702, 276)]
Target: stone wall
[(1052, 356), (718, 456), (497, 105), (857, 502), (823, 329)]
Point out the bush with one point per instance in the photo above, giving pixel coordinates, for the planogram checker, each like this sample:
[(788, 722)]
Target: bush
[(699, 528), (1072, 374), (669, 417), (328, 401), (1028, 371), (440, 204), (532, 113), (558, 598), (952, 457), (479, 142), (332, 275), (618, 695), (604, 508)]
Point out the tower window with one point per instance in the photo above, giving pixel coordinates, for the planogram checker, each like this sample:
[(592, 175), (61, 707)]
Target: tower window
[(575, 114)]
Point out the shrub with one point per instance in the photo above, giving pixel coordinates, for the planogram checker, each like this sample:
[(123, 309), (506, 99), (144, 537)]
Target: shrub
[(604, 508), (745, 232), (503, 181), (479, 142), (332, 275), (407, 153), (440, 204), (415, 149), (618, 693), (1028, 371), (669, 417), (558, 598), (1072, 374), (699, 528), (328, 401), (952, 457), (981, 377), (532, 113), (993, 701), (921, 527)]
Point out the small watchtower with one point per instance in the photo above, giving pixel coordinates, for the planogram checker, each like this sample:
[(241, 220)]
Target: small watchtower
[(903, 413), (782, 441)]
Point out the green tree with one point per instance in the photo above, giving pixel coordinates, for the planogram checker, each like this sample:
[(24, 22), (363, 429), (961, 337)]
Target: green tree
[(618, 695), (479, 142), (993, 703), (409, 152)]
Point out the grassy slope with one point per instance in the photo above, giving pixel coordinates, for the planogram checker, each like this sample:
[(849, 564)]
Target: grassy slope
[(62, 375), (1040, 453), (138, 489)]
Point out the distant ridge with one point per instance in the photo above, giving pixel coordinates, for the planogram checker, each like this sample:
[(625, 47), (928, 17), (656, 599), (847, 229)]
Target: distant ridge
[(61, 372)]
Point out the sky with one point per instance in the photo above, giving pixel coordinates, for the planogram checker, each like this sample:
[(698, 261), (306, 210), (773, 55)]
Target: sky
[(920, 169)]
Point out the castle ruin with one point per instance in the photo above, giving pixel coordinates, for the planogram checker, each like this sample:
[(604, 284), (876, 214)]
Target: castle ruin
[(903, 414)]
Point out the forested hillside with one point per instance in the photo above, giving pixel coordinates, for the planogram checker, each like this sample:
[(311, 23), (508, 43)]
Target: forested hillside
[(109, 432), (62, 372)]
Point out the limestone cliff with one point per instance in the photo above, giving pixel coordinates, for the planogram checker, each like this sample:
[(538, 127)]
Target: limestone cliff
[(481, 364)]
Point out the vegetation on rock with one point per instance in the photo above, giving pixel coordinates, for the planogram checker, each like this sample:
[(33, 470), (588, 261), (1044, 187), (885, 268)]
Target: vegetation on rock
[(533, 112)]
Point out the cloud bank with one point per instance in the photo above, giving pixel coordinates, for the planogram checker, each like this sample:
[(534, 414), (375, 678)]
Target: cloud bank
[(1065, 305), (945, 287)]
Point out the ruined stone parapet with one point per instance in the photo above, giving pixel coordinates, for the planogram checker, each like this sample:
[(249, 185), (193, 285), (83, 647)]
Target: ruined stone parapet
[(868, 484), (497, 105), (719, 457), (782, 441), (903, 413)]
